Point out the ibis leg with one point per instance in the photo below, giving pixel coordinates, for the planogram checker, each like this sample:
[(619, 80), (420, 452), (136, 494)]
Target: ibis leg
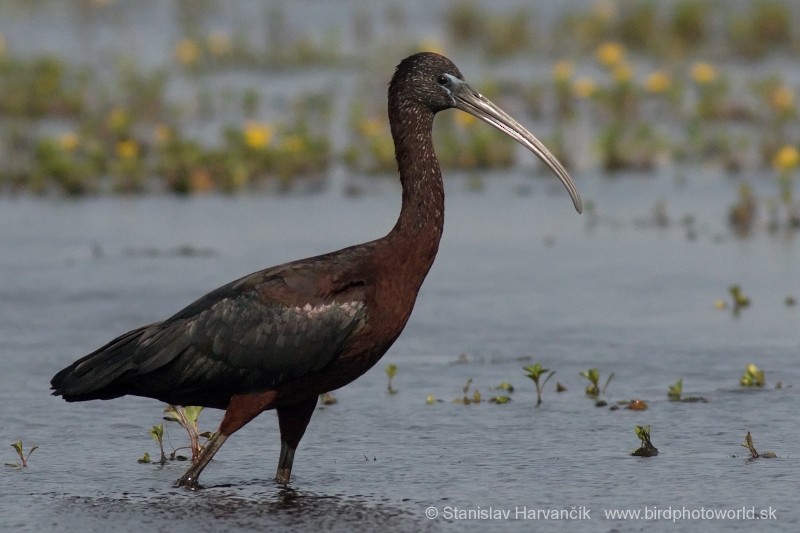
[(189, 479), (293, 420), (241, 409)]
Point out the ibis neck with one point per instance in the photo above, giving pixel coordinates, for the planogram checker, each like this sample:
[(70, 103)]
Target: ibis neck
[(421, 218)]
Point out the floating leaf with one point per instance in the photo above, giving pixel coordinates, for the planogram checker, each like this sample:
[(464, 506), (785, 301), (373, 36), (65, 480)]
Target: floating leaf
[(499, 399), (675, 390)]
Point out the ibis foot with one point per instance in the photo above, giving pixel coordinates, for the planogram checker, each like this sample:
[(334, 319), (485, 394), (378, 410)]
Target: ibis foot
[(188, 483)]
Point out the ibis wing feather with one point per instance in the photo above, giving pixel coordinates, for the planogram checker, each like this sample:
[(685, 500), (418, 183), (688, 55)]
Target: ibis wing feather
[(246, 336)]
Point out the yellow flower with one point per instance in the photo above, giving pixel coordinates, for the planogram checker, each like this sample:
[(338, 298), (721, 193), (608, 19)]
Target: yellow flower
[(782, 98), (127, 149), (658, 82), (562, 70), (187, 52), (219, 43), (610, 54), (584, 87), (257, 135), (786, 159), (69, 141), (703, 73)]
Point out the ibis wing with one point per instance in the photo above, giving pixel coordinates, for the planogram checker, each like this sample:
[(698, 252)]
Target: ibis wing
[(256, 344), (246, 336)]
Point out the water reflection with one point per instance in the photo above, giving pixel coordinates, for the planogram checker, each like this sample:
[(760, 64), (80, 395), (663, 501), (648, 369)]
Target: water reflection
[(257, 506)]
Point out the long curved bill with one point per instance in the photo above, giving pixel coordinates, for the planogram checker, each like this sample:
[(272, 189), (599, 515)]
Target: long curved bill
[(474, 103)]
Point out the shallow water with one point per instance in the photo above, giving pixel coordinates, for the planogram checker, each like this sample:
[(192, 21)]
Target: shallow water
[(519, 279)]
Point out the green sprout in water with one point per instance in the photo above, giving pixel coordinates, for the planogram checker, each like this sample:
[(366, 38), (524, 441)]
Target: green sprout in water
[(391, 370), (186, 417), (535, 372), (504, 386), (752, 377), (675, 394), (157, 432), (675, 391), (593, 390), (740, 300), (466, 400), (646, 449), (23, 457)]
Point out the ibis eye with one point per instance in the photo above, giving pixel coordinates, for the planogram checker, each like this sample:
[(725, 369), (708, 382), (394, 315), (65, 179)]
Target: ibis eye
[(443, 80)]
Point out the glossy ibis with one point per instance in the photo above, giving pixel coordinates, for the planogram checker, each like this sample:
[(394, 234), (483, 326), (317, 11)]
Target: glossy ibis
[(278, 338)]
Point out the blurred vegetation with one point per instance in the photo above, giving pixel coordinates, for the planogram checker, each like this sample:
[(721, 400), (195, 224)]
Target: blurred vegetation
[(632, 85)]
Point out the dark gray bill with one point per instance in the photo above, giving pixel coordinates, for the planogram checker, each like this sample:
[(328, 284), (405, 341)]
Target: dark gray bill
[(474, 103)]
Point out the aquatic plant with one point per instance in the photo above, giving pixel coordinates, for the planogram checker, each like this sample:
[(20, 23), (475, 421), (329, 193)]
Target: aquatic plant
[(742, 214), (748, 443), (500, 400), (593, 389), (534, 372), (186, 417), (739, 298), (157, 432), (752, 377), (505, 386), (766, 26), (23, 457), (391, 371), (646, 449), (466, 399), (430, 399), (675, 390)]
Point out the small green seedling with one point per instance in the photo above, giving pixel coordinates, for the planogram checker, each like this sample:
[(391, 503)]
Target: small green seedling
[(646, 449), (752, 377), (186, 417), (748, 443), (145, 459), (740, 300), (157, 432), (466, 400), (675, 394), (391, 370), (23, 457), (675, 391), (535, 372), (593, 390)]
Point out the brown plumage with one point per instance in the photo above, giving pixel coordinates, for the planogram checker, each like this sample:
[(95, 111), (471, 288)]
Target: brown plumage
[(278, 338)]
